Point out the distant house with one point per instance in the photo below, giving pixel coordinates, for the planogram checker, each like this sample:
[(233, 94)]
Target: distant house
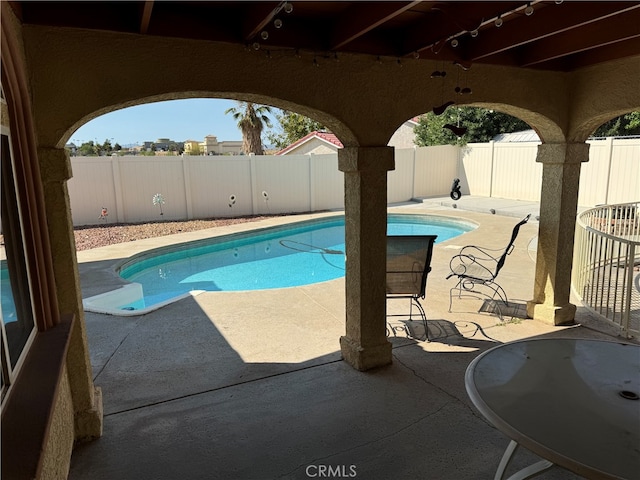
[(211, 146), (324, 142), (314, 142), (523, 136), (191, 146)]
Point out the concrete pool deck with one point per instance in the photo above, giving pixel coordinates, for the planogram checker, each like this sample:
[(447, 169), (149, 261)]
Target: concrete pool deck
[(250, 385)]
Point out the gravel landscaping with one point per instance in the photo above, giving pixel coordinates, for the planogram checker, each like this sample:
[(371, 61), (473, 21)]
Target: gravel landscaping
[(94, 236)]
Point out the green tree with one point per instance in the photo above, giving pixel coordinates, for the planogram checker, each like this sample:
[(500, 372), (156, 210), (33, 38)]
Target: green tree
[(105, 148), (481, 126), (622, 126), (251, 121), (293, 127), (87, 149)]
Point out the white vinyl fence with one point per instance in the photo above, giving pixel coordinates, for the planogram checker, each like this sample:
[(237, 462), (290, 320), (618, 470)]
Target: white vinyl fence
[(228, 186)]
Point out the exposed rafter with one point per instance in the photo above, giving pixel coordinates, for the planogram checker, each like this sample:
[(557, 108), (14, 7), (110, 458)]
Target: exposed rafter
[(258, 18), (146, 16), (360, 18), (550, 21), (555, 36), (594, 35)]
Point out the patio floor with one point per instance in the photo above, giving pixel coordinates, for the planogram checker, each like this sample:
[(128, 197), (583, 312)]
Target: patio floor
[(250, 385)]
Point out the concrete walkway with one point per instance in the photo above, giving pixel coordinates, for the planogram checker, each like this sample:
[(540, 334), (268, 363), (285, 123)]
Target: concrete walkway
[(491, 205), (250, 385)]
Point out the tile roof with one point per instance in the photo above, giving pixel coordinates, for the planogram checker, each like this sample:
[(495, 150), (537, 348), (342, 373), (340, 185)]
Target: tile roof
[(324, 136), (327, 137)]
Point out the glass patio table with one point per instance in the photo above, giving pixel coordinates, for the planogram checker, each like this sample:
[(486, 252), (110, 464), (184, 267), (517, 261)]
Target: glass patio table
[(572, 402)]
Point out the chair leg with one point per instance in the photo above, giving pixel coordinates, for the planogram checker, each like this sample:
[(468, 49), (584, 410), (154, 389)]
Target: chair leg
[(457, 287), (469, 286), (423, 315), (498, 290)]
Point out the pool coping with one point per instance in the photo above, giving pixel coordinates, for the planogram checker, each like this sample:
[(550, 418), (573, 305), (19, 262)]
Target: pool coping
[(126, 291)]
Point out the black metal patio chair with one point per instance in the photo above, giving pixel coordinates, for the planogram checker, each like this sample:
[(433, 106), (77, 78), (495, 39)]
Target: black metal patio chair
[(477, 269), (408, 264)]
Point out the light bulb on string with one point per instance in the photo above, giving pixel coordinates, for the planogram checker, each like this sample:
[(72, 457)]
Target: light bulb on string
[(499, 22), (288, 7), (264, 35), (529, 10), (277, 23)]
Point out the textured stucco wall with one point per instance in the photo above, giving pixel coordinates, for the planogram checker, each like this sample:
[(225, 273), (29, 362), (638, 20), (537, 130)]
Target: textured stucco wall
[(56, 457), (67, 95)]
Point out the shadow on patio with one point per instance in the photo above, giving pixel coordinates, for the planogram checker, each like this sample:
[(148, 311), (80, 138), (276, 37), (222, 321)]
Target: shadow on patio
[(250, 385)]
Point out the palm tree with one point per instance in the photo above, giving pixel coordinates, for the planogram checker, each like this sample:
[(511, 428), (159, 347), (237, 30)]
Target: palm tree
[(251, 122)]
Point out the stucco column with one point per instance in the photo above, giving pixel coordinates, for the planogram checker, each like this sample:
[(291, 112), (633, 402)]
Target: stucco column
[(365, 344), (55, 169), (558, 207)]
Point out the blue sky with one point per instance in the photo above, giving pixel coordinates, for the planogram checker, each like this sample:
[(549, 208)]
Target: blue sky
[(178, 120)]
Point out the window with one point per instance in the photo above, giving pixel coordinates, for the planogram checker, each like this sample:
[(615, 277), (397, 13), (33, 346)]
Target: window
[(16, 313)]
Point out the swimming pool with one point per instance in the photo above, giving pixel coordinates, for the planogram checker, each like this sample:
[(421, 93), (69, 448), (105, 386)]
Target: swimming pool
[(277, 257)]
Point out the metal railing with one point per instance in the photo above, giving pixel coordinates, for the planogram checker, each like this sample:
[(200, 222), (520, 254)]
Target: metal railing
[(606, 264)]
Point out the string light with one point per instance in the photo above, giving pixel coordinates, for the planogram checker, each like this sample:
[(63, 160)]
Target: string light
[(287, 7), (529, 10)]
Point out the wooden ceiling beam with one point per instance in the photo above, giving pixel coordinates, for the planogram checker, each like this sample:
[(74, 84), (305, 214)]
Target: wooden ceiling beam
[(258, 17), (551, 20), (447, 20), (360, 18), (607, 53), (614, 29), (146, 16)]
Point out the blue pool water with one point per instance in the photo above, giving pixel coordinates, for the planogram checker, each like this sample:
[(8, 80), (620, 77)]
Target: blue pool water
[(7, 303), (277, 257)]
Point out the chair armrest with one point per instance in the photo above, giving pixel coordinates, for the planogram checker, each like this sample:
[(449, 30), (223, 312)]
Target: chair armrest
[(481, 253)]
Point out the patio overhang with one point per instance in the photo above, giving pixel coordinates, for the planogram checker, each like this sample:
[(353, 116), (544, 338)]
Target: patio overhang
[(564, 67)]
